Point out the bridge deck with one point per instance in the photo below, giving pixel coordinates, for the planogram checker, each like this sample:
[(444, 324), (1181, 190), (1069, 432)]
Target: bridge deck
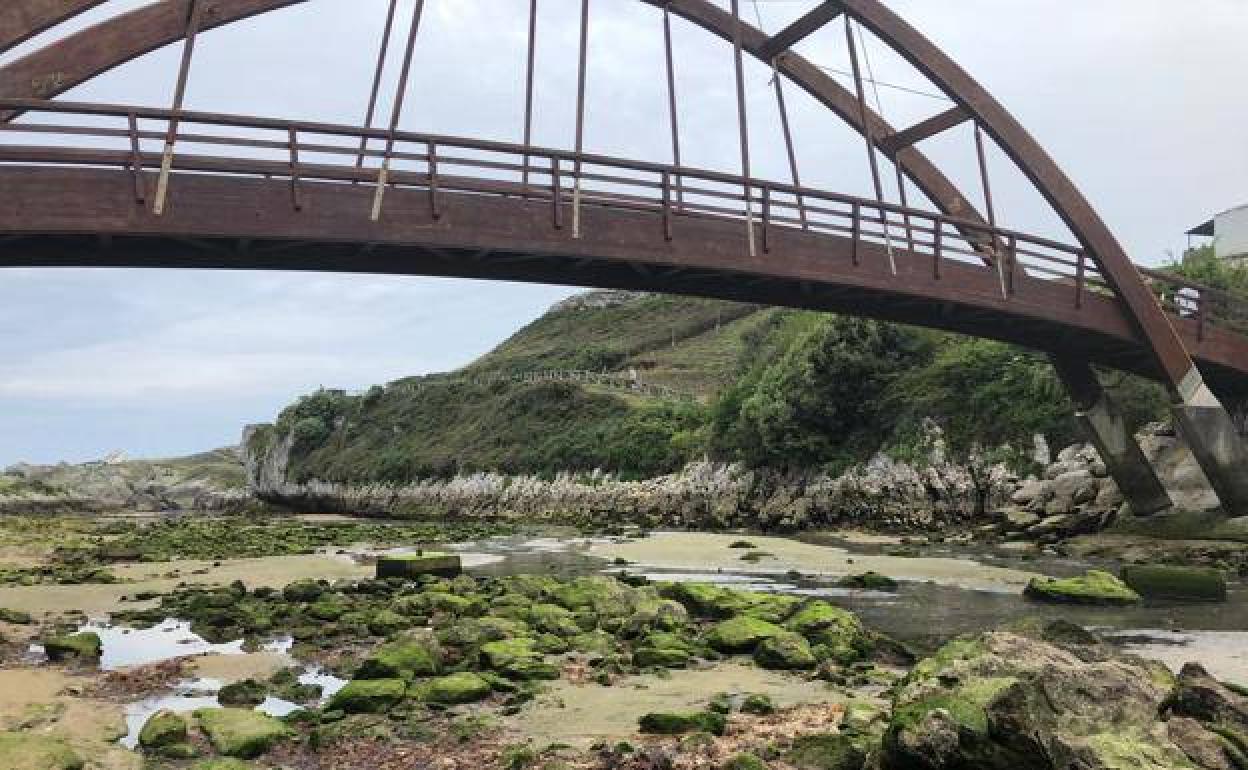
[(77, 216)]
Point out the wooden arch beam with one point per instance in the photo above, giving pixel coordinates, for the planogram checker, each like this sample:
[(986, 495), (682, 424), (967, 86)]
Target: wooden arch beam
[(74, 60), (20, 20)]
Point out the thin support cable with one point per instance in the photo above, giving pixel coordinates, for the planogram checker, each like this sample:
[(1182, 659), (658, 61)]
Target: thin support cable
[(784, 125), (743, 127), (528, 92), (997, 256), (582, 61), (378, 71), (396, 113), (868, 133), (673, 120), (193, 16)]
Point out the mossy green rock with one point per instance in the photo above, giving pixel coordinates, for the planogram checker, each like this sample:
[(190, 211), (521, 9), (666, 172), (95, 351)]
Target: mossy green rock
[(705, 600), (1160, 581), (758, 704), (826, 751), (328, 608), (241, 732), (27, 751), (223, 764), (248, 692), (164, 728), (84, 646), (386, 622), (404, 658), (1093, 587), (464, 687), (517, 659), (740, 634), (16, 617), (303, 591), (408, 565), (602, 595), (837, 634), (669, 723), (788, 650), (553, 619), (868, 581), (745, 762), (1001, 700), (369, 696), (653, 657)]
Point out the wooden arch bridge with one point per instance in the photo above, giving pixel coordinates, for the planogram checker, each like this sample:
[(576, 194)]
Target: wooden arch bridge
[(123, 185)]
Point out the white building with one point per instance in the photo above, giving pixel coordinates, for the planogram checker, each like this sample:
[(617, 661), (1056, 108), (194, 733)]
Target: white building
[(1229, 231)]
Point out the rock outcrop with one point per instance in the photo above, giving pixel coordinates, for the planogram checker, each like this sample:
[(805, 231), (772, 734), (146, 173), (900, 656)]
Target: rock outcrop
[(1011, 701), (211, 481)]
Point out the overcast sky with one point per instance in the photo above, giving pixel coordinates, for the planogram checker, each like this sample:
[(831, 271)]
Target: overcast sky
[(1141, 101)]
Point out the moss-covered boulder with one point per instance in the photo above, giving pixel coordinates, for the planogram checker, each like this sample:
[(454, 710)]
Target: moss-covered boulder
[(16, 617), (744, 762), (757, 704), (836, 634), (85, 646), (517, 659), (672, 723), (553, 619), (464, 687), (868, 581), (164, 728), (369, 696), (1003, 700), (602, 595), (655, 614), (387, 622), (28, 751), (303, 591), (704, 600), (328, 607), (740, 634), (248, 692), (409, 565), (1093, 587), (655, 657), (826, 751), (241, 732), (788, 650), (404, 658), (225, 763), (1163, 581)]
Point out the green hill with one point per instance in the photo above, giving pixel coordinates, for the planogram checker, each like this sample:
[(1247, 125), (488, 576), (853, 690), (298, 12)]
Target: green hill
[(764, 386)]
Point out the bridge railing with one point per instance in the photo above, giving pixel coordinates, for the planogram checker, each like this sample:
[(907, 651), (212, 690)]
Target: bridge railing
[(152, 140)]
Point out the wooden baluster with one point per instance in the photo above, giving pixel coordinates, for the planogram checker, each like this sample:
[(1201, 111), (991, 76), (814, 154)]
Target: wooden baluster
[(293, 141), (136, 161), (434, 210)]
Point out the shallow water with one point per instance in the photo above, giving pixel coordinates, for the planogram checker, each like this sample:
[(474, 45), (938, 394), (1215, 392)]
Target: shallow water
[(195, 694)]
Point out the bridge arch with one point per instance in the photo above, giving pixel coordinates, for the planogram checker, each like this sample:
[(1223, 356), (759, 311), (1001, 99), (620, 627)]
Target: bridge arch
[(1159, 338)]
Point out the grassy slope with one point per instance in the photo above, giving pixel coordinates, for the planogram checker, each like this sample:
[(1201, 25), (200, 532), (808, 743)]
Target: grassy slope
[(403, 433)]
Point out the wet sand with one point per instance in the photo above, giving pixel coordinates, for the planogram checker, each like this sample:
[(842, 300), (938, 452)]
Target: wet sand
[(31, 699), (100, 599), (580, 714), (708, 552)]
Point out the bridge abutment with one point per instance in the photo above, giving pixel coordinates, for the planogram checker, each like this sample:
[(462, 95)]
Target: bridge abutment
[(1216, 440), (1109, 433)]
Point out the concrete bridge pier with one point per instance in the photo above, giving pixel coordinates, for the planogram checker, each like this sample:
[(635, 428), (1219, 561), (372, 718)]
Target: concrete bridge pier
[(1113, 439), (1216, 441)]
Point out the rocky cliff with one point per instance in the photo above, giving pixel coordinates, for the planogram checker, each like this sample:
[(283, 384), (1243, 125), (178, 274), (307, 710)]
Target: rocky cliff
[(1072, 496)]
